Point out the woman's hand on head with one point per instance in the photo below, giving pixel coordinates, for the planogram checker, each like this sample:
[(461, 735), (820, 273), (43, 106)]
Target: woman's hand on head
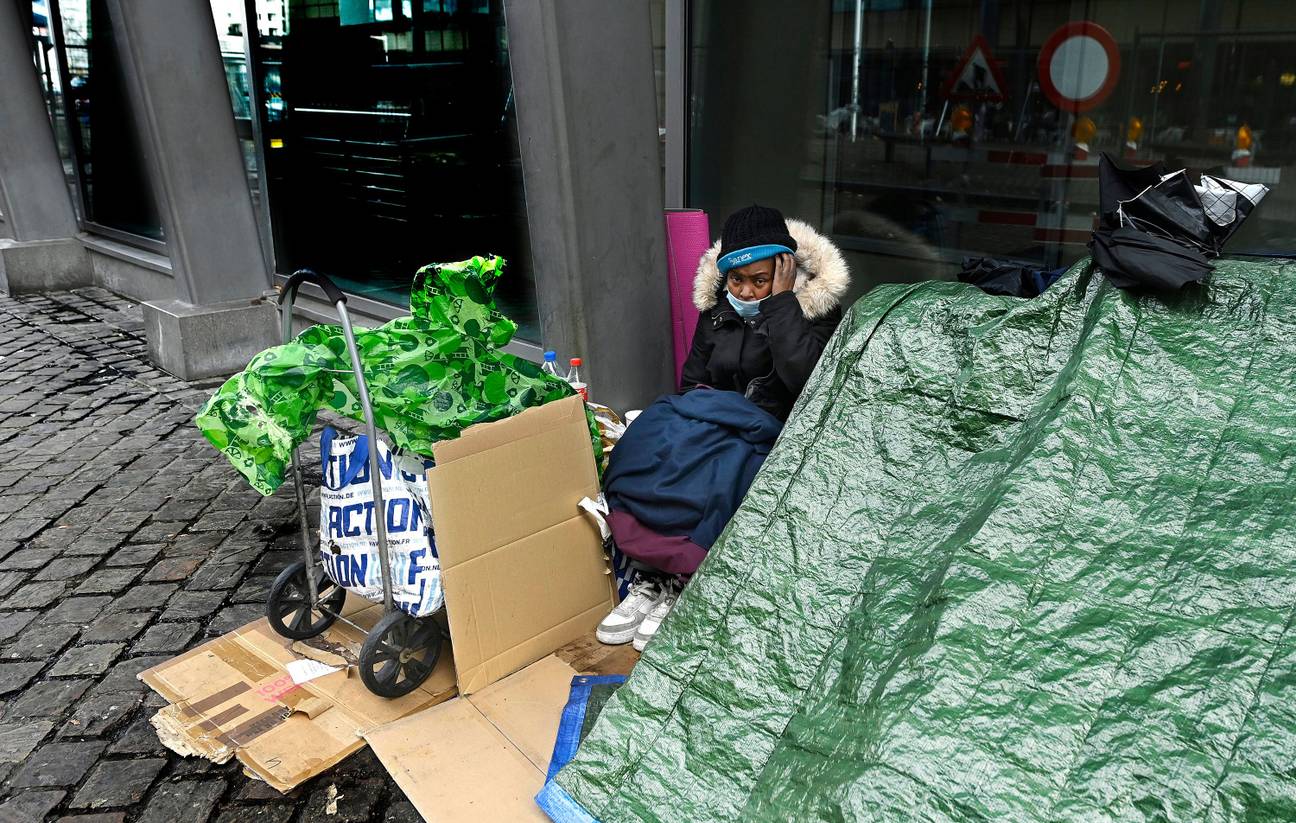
[(784, 273)]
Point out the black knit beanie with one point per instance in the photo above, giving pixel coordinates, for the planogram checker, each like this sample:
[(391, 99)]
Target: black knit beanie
[(755, 226)]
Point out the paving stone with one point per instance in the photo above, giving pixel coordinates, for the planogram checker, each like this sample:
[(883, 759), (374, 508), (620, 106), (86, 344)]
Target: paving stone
[(26, 807), (253, 590), (166, 637), (214, 576), (48, 699), (219, 521), (11, 580), (271, 563), (139, 738), (31, 558), (107, 581), (132, 555), (109, 473), (184, 800), (231, 617), (260, 790), (174, 568), (66, 568), (277, 813), (94, 544), (143, 596), (177, 511), (402, 811), (116, 783), (13, 676), (40, 641), (17, 740), (189, 544), (92, 659), (80, 610), (157, 533), (61, 763), (116, 626), (95, 716), (35, 595), (11, 623), (123, 677), (122, 521), (21, 528), (355, 802), (188, 605)]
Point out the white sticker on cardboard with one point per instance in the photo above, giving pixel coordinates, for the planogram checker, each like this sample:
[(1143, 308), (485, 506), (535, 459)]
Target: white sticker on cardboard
[(303, 670)]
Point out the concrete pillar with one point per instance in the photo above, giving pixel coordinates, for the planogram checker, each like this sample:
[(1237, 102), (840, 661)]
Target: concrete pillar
[(180, 104), (587, 124), (39, 250)]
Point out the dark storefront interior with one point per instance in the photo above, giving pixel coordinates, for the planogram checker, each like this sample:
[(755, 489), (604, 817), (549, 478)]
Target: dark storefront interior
[(908, 194), (388, 135)]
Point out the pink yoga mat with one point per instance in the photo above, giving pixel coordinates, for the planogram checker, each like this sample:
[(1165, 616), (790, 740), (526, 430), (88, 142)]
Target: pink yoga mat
[(688, 236)]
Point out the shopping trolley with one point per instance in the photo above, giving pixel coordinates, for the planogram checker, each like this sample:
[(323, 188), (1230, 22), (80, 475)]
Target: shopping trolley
[(400, 651)]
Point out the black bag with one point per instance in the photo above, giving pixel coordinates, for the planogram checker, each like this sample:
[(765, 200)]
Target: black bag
[(1132, 259)]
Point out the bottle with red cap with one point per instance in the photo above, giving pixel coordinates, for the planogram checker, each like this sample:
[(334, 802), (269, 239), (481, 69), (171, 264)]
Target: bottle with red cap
[(574, 378)]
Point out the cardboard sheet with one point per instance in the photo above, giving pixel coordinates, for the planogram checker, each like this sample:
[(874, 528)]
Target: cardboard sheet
[(481, 757), (524, 573), (523, 569), (233, 697)]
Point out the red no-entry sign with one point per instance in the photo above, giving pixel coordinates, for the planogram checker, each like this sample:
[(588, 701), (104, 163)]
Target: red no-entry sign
[(1078, 66)]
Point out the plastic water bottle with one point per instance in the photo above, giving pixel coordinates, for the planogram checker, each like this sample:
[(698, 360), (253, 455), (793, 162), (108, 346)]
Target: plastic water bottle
[(550, 364), (573, 377)]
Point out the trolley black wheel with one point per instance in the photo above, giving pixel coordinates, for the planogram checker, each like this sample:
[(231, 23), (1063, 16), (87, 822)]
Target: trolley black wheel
[(399, 654), (289, 609)]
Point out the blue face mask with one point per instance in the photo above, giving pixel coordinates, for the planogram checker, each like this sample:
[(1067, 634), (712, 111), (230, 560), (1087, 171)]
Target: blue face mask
[(747, 309)]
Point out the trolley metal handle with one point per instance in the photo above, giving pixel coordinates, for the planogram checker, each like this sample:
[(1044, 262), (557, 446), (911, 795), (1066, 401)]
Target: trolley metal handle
[(289, 293), (286, 299)]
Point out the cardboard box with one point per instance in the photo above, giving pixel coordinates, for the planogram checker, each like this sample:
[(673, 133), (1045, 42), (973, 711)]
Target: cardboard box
[(523, 572), (481, 757), (232, 697), (523, 569)]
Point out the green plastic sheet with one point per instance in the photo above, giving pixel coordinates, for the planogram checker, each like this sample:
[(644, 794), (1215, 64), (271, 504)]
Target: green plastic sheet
[(430, 375), (1010, 560)]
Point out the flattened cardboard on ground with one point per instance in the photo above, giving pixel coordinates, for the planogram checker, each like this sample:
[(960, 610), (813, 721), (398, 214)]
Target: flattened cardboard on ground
[(232, 697), (523, 569), (481, 757), (523, 572)]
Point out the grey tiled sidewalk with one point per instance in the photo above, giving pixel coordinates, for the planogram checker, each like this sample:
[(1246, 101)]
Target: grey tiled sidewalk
[(124, 539)]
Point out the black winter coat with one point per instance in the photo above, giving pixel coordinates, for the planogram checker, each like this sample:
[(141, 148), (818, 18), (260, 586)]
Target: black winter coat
[(769, 357)]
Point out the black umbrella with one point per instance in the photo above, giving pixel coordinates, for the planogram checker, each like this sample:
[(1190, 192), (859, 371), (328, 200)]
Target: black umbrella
[(1159, 230)]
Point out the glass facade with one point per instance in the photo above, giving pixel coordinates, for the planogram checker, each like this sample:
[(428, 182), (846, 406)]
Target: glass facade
[(389, 137), (91, 96), (916, 132), (229, 17), (46, 59)]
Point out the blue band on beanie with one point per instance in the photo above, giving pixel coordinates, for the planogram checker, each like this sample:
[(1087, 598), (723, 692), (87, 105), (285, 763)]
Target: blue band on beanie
[(751, 254)]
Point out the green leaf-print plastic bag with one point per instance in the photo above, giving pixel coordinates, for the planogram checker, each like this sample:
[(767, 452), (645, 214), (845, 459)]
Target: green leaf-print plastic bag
[(430, 376)]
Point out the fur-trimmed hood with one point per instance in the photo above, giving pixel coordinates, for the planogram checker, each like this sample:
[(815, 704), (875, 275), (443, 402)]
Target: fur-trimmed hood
[(822, 274)]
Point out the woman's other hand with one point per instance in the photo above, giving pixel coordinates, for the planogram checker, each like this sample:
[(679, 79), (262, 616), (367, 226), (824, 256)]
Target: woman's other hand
[(784, 273)]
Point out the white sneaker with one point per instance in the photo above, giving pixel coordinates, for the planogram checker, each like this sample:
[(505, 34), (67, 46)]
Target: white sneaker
[(620, 626), (648, 628)]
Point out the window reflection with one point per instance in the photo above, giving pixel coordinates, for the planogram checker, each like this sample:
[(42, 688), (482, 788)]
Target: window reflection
[(857, 121), (47, 69), (115, 193), (389, 141)]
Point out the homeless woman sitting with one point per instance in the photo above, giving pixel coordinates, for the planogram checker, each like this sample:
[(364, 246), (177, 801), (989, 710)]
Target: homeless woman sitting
[(769, 295)]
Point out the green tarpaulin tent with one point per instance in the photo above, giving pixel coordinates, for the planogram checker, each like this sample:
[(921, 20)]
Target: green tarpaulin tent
[(1010, 560)]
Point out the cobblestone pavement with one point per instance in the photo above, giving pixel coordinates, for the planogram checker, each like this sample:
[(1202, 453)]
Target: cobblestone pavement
[(125, 539)]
